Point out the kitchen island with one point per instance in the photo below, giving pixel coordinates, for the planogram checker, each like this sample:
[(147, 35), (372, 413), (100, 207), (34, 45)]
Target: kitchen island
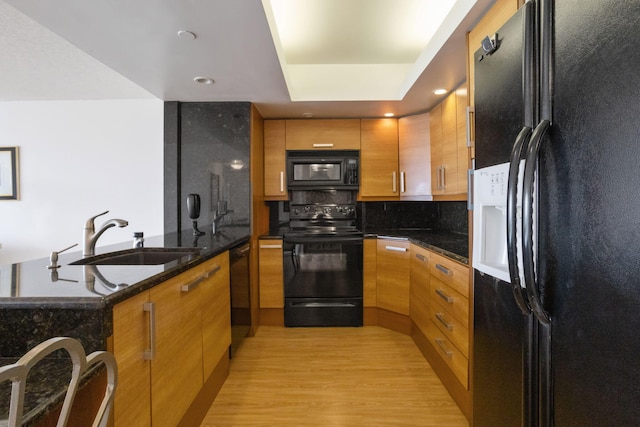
[(78, 301)]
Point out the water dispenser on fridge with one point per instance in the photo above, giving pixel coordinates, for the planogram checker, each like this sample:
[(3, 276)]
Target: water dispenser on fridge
[(490, 220)]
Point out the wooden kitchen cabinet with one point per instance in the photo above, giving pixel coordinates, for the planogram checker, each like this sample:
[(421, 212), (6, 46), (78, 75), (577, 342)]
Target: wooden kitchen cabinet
[(271, 273), (164, 341), (414, 156), (369, 272), (393, 274), (448, 330), (323, 134), (379, 177), (176, 366), (275, 160), (216, 312), (419, 291), (131, 339), (449, 152)]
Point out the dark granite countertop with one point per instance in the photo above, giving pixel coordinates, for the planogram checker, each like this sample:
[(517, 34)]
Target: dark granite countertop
[(77, 301), (451, 245)]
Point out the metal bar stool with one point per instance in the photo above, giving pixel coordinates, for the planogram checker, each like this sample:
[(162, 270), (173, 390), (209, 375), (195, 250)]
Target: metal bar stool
[(17, 374)]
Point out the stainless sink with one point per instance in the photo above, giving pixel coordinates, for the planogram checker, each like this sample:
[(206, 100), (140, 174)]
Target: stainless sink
[(140, 256)]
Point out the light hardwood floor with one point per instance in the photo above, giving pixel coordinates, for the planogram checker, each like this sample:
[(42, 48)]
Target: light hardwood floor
[(367, 376)]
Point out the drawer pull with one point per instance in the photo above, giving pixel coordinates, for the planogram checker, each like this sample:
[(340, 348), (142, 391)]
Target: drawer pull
[(322, 145), (213, 271), (445, 350), (192, 285), (444, 269), (444, 296), (150, 308), (421, 257), (395, 249), (442, 320), (270, 246)]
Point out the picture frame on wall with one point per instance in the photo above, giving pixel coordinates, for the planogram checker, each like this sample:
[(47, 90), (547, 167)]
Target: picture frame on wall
[(8, 173)]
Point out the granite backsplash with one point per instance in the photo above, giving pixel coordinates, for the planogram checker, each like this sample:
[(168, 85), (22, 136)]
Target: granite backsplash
[(442, 216)]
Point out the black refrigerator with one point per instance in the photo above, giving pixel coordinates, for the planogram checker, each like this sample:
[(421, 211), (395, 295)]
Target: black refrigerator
[(557, 327)]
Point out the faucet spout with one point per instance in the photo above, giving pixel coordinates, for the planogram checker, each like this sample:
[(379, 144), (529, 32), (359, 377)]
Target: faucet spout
[(91, 235)]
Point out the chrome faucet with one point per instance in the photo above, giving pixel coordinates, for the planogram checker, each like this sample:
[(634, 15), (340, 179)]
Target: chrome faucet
[(218, 214), (91, 235)]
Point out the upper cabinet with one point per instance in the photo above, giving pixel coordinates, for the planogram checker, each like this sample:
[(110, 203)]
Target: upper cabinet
[(414, 157), (449, 151), (275, 156), (379, 159), (319, 134)]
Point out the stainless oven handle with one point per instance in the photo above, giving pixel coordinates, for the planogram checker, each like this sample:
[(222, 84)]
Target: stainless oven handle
[(322, 304), (270, 246), (322, 145), (318, 239)]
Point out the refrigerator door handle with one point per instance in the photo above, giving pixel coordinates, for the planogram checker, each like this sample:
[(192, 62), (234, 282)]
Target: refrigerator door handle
[(530, 167), (512, 218)]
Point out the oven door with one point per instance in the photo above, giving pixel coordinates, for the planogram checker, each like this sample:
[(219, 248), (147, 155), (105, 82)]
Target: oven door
[(323, 281)]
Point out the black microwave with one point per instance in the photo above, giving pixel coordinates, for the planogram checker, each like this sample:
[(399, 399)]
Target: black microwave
[(322, 170)]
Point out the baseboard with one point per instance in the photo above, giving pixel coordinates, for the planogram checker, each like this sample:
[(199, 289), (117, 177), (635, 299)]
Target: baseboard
[(272, 316)]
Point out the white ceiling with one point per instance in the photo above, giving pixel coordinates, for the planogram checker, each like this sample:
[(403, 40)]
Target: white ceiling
[(78, 49)]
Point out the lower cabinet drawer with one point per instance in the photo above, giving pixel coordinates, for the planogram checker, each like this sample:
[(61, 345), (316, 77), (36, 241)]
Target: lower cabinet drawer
[(456, 304), (456, 361), (455, 330)]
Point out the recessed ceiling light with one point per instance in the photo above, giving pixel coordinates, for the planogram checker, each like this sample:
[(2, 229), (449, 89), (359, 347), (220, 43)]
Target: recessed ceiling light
[(440, 91), (307, 114), (186, 35), (389, 114), (204, 80)]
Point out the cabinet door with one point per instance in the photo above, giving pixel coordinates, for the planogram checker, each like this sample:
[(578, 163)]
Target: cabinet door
[(419, 307), (393, 275), (379, 158), (449, 172), (369, 272), (176, 369), (330, 134), (216, 312), (435, 130), (275, 174), (270, 253), (461, 137), (131, 339), (414, 156)]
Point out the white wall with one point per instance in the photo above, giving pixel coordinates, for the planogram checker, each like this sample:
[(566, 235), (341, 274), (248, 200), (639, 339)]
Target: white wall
[(77, 159)]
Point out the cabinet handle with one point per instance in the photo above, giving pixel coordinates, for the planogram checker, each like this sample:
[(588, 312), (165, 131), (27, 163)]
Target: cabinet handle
[(192, 285), (444, 296), (442, 320), (402, 189), (470, 112), (421, 257), (446, 351), (150, 308), (393, 182), (213, 271), (443, 172), (395, 249), (270, 246), (444, 269), (282, 181), (322, 145), (439, 178)]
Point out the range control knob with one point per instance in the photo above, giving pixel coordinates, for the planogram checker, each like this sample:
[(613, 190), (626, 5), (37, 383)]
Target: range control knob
[(296, 211)]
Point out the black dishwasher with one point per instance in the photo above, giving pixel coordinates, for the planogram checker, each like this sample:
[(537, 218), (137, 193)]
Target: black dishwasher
[(240, 295)]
